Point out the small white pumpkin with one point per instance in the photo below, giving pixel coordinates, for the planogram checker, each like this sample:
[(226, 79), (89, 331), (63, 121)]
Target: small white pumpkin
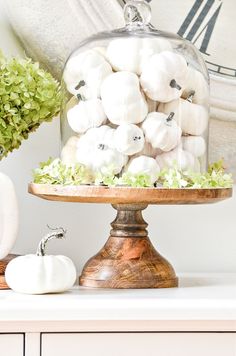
[(144, 165), (122, 99), (192, 118), (68, 152), (9, 219), (195, 82), (178, 157), (95, 152), (87, 69), (163, 76), (85, 115), (40, 273), (194, 144), (128, 139), (130, 54), (161, 131)]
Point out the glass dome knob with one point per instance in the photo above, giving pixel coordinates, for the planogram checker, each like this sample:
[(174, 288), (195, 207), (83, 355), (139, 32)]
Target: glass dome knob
[(137, 12)]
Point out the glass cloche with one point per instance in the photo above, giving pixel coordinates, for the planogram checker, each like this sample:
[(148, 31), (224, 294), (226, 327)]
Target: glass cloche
[(135, 100)]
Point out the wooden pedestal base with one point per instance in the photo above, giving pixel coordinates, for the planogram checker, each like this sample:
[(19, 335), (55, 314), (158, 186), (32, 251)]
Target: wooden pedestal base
[(128, 259), (3, 266)]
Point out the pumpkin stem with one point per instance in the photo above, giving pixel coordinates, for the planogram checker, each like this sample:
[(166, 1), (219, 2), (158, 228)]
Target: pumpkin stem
[(58, 233), (80, 85), (190, 96), (101, 146), (80, 97), (174, 84), (170, 117)]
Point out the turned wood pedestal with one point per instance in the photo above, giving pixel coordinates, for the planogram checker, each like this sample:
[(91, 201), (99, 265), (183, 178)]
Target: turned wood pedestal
[(128, 259)]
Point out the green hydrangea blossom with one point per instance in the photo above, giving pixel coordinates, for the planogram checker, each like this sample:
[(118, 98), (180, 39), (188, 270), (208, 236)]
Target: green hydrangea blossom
[(173, 178), (28, 96), (56, 172), (135, 180)]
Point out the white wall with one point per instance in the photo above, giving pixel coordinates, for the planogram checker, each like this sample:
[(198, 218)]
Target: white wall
[(194, 238)]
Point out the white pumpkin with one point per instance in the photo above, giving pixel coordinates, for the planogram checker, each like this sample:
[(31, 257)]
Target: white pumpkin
[(9, 219), (130, 54), (40, 273), (178, 157), (144, 165), (85, 115), (196, 82), (87, 69), (194, 144), (68, 152), (163, 76), (161, 131), (128, 139), (192, 118), (95, 152), (122, 99)]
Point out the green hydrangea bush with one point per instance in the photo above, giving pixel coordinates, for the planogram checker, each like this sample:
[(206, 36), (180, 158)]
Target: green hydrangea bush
[(56, 172), (28, 96)]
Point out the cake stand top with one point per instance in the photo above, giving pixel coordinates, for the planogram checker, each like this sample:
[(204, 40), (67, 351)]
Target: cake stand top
[(128, 195)]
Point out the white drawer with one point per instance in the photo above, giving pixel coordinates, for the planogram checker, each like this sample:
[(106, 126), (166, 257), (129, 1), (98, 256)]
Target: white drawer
[(139, 344), (11, 344)]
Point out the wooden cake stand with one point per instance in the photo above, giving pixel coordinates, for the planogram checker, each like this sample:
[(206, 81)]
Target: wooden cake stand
[(128, 258)]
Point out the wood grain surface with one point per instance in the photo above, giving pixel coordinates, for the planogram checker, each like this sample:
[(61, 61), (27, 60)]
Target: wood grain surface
[(128, 259), (119, 195), (3, 266), (3, 284)]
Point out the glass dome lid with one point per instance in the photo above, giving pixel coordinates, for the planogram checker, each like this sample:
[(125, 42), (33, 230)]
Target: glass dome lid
[(136, 100)]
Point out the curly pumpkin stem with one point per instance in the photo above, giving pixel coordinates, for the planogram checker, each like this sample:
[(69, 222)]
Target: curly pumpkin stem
[(58, 233)]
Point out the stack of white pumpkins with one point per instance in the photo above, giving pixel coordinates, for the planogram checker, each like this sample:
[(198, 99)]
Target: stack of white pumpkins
[(137, 107)]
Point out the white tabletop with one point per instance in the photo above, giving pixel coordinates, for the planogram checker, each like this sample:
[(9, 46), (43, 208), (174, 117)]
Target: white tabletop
[(199, 297)]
